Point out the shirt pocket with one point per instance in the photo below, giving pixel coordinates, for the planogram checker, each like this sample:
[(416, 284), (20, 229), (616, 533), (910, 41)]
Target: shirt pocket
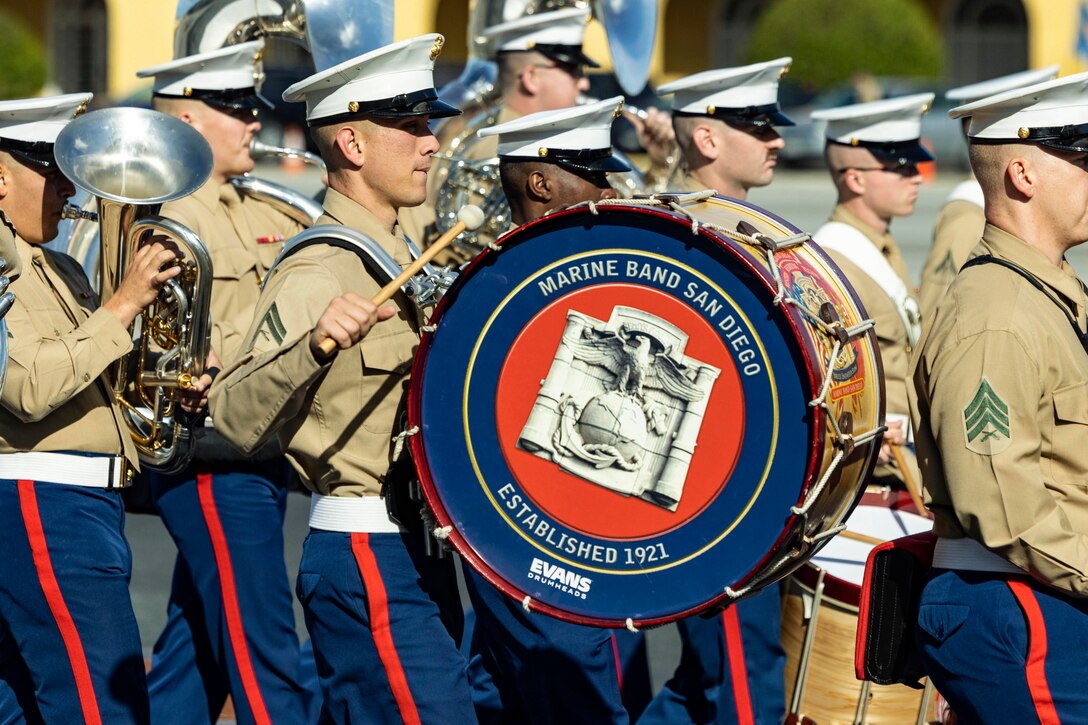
[(385, 365), (233, 263), (1068, 462)]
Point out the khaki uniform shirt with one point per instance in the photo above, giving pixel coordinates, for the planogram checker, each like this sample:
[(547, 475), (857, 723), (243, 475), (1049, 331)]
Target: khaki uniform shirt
[(1000, 404), (244, 236), (59, 345), (891, 335), (958, 229), (335, 420)]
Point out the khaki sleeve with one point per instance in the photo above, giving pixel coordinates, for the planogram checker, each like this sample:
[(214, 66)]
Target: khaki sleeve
[(986, 401), (266, 387), (44, 374), (955, 235)]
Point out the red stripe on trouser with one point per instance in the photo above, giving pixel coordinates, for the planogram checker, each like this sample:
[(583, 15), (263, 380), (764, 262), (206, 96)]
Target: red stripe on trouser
[(235, 629), (378, 605), (619, 667), (1035, 669), (28, 504), (734, 652)]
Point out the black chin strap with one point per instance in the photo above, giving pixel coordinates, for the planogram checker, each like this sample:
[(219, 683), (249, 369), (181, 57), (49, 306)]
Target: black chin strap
[(990, 259)]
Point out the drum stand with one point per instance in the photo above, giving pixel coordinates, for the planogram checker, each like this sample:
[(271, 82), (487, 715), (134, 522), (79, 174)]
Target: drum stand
[(794, 716)]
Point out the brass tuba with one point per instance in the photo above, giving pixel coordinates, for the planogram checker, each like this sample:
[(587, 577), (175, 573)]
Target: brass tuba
[(134, 160)]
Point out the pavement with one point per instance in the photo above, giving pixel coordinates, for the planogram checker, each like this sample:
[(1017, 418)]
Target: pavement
[(805, 198)]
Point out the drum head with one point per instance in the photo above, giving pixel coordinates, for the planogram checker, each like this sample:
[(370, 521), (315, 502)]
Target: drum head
[(614, 416)]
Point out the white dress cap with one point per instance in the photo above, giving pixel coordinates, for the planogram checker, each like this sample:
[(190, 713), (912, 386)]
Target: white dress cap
[(579, 137), (1053, 113), (229, 76), (747, 95), (391, 81), (557, 34), (889, 128), (975, 91), (29, 127)]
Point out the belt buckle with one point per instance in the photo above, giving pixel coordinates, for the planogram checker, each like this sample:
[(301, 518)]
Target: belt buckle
[(124, 478)]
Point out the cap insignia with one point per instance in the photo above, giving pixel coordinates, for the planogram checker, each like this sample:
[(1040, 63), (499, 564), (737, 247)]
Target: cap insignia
[(188, 91), (854, 141), (925, 108), (542, 152), (258, 55), (618, 112), (353, 107), (785, 70), (80, 110), (710, 110), (436, 49), (1023, 132), (530, 44)]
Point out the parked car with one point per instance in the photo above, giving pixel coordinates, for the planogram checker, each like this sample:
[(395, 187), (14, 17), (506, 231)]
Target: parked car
[(941, 134)]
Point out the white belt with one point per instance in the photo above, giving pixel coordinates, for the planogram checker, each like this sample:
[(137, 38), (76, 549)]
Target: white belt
[(968, 555), (366, 515), (74, 470)]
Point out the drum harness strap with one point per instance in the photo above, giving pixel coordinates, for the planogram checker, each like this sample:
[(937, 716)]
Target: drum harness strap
[(990, 259), (827, 322)]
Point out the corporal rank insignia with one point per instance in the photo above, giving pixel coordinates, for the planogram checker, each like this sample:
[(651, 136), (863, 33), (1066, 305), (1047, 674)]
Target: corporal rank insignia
[(986, 421), (272, 326)]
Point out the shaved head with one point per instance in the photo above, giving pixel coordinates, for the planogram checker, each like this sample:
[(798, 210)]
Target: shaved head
[(847, 157)]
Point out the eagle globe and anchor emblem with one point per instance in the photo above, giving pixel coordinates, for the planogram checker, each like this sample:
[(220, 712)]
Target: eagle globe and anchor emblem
[(622, 405)]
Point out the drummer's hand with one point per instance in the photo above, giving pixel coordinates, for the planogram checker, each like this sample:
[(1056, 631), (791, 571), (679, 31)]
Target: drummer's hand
[(892, 437), (345, 321), (656, 135)]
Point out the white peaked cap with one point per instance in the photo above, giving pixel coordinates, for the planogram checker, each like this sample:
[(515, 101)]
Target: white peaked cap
[(208, 76), (982, 89), (1053, 113), (580, 136), (29, 127), (885, 121), (727, 91), (540, 31), (889, 128), (394, 80)]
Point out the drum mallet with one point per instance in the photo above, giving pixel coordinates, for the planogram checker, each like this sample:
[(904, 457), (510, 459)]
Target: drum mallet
[(470, 218), (908, 479)]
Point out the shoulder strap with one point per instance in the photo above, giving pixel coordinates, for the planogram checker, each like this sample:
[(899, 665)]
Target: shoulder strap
[(990, 259), (369, 251)]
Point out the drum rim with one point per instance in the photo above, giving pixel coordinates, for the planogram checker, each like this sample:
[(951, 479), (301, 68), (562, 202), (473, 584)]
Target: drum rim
[(791, 531)]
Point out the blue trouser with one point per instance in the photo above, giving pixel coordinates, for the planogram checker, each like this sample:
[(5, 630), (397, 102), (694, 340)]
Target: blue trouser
[(540, 669), (634, 671), (732, 668), (1004, 649), (230, 625), (385, 621), (69, 645)]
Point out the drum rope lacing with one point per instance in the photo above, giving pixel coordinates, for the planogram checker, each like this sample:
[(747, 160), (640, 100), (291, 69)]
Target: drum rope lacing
[(832, 328)]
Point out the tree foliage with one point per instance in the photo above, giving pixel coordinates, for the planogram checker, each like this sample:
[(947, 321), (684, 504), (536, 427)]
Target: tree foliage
[(22, 60), (831, 40)]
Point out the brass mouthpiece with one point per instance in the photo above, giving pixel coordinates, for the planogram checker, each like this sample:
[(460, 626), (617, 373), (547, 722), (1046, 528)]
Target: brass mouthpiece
[(72, 211)]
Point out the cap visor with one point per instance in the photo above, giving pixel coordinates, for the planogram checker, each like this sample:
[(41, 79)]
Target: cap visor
[(780, 119), (434, 108), (569, 54), (241, 103), (908, 152), (1077, 144), (605, 164), (33, 159)]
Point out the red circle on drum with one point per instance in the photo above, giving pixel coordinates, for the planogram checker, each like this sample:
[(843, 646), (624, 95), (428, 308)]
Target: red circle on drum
[(604, 507)]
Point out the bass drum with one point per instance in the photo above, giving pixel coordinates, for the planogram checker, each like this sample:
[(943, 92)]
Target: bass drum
[(632, 412)]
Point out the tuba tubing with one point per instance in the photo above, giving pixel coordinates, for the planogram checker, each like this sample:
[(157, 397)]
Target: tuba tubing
[(133, 161), (260, 150)]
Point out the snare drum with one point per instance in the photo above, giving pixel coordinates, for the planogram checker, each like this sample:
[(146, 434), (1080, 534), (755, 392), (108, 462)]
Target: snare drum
[(630, 413), (826, 689)]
